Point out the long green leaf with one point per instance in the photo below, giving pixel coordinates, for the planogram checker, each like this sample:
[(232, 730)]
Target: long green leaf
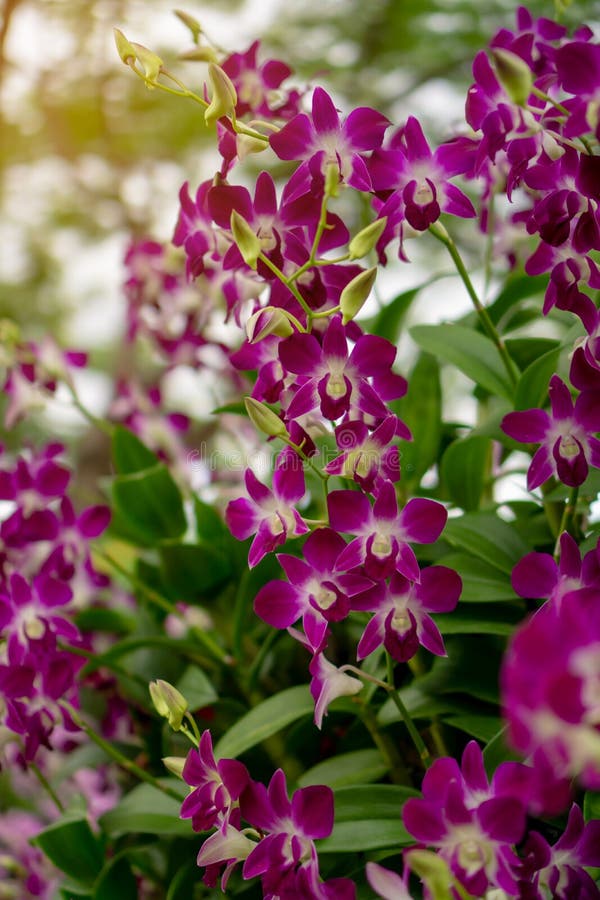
[(147, 810), (471, 352), (357, 767), (266, 719), (488, 537)]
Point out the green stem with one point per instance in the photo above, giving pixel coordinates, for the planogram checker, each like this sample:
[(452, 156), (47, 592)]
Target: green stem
[(321, 226), (114, 667), (326, 313), (100, 424), (410, 725), (263, 651), (566, 521), (561, 109), (127, 764), (153, 596), (290, 286), (398, 771), (439, 232), (47, 786)]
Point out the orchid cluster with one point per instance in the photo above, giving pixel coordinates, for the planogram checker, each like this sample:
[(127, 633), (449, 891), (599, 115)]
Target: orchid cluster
[(382, 592)]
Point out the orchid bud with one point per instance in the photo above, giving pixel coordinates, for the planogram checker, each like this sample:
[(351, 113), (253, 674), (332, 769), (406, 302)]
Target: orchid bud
[(125, 49), (199, 54), (270, 320), (332, 180), (168, 702), (264, 418), (189, 22), (150, 62), (175, 765), (246, 144), (433, 871), (248, 243), (514, 75), (223, 94), (363, 242), (355, 293)]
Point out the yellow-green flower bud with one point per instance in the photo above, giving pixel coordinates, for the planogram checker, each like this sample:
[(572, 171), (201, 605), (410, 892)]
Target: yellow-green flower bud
[(270, 320), (246, 144), (189, 22), (168, 702), (248, 243), (433, 871), (264, 418), (150, 62), (363, 242), (174, 764), (514, 75), (355, 293), (332, 180), (125, 50), (199, 54), (223, 96)]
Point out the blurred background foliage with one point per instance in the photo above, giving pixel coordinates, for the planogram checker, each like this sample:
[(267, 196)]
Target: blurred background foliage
[(88, 155)]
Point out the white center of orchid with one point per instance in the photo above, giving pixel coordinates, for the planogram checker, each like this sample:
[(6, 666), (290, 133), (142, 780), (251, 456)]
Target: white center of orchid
[(324, 597), (474, 855), (423, 194), (568, 447), (382, 545), (336, 386)]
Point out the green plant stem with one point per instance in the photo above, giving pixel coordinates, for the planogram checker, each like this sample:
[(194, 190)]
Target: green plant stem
[(208, 644), (439, 232), (566, 521), (100, 424), (114, 667), (418, 741), (289, 285), (262, 653), (561, 109), (311, 261), (47, 786), (127, 764), (398, 771)]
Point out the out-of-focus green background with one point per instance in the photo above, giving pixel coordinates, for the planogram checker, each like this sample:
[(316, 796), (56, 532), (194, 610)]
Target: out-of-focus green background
[(87, 154)]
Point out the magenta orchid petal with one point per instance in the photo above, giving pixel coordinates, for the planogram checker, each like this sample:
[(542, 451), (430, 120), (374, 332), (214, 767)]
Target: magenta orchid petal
[(423, 520)]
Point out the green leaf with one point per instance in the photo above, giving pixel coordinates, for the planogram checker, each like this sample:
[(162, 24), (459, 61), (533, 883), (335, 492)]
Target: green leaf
[(465, 468), (147, 810), (192, 571), (421, 409), (129, 453), (484, 618), (516, 288), (365, 834), (269, 717), (591, 806), (419, 704), (357, 767), (73, 848), (497, 751), (471, 667), (526, 351), (481, 727), (471, 352), (197, 688), (368, 817), (482, 583), (388, 322), (532, 389), (149, 503), (209, 523), (116, 621), (116, 881), (488, 537), (182, 886)]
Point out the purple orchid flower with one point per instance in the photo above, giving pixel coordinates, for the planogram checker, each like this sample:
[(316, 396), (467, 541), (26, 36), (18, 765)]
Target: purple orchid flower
[(367, 457), (323, 140), (474, 824), (315, 591), (217, 786), (558, 870), (27, 612), (290, 827), (402, 621), (329, 682), (258, 85), (568, 446), (538, 575), (269, 514), (382, 532), (552, 711), (334, 379)]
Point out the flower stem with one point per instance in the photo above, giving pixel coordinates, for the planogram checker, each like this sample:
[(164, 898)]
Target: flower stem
[(566, 521), (410, 725), (398, 771), (47, 786), (288, 284), (127, 764), (439, 232)]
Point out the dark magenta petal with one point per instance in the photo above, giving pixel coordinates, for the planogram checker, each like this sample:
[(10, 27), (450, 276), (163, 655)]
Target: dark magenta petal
[(274, 71), (372, 637), (304, 400), (325, 116), (536, 575), (578, 67), (334, 340), (354, 555), (241, 518), (295, 139), (224, 198), (436, 779), (570, 557), (528, 426), (322, 549), (472, 767), (571, 469), (263, 856), (430, 637), (93, 521), (288, 478), (265, 196), (386, 503), (503, 818), (540, 470), (423, 820), (349, 511), (278, 604), (423, 520), (301, 354), (372, 355), (560, 398), (52, 479), (587, 410), (312, 811), (258, 491), (439, 589), (406, 563), (365, 128)]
